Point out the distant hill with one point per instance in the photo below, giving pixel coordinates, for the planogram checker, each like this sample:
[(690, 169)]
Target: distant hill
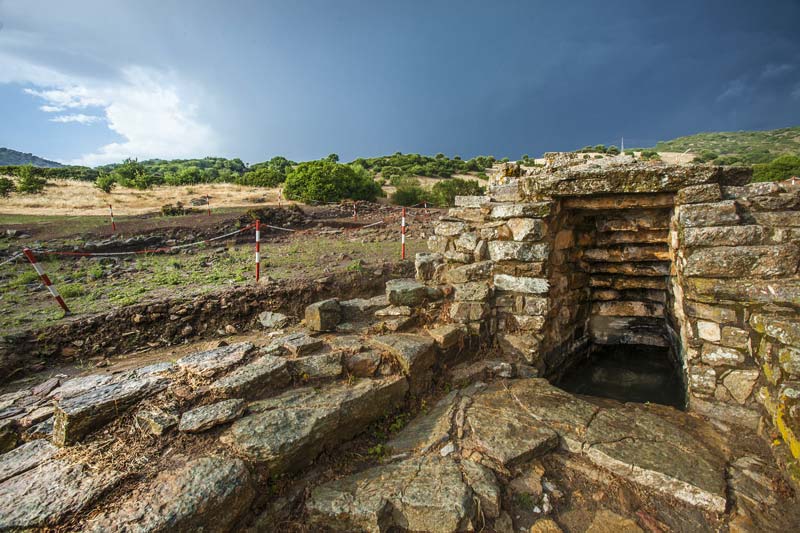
[(737, 147), (12, 157)]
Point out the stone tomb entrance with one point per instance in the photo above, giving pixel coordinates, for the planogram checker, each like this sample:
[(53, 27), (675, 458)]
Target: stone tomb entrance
[(610, 275)]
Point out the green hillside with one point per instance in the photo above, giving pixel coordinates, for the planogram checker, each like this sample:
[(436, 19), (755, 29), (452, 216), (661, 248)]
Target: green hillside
[(12, 157), (737, 147)]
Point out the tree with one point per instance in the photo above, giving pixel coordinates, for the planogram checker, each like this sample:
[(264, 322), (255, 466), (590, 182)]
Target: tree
[(261, 177), (6, 187), (105, 182), (444, 193), (28, 183), (334, 158), (327, 181), (409, 195), (781, 168), (613, 150)]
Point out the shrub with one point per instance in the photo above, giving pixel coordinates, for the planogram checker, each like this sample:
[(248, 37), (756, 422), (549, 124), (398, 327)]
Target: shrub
[(650, 155), (133, 175), (444, 193), (599, 148), (780, 168), (28, 183), (409, 195), (706, 156), (612, 150), (105, 182), (327, 181), (261, 177), (6, 187)]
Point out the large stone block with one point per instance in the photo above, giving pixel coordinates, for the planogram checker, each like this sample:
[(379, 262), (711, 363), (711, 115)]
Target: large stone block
[(464, 312), (637, 221), (266, 374), (520, 210), (415, 354), (702, 379), (652, 252), (719, 355), (518, 251), (405, 291), (725, 236), (778, 219), (521, 284), (699, 194), (471, 201), (449, 228), (439, 244), (714, 214), (472, 291), (210, 362), (472, 272), (527, 229), (786, 331), (744, 261), (714, 313), (324, 315)]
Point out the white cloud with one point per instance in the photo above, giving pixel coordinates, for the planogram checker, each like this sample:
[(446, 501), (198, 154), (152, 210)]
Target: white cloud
[(149, 109), (78, 117)]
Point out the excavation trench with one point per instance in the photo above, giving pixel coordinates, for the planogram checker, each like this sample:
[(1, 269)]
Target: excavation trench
[(612, 332)]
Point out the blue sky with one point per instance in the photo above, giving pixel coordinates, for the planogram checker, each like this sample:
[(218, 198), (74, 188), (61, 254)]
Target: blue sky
[(93, 82)]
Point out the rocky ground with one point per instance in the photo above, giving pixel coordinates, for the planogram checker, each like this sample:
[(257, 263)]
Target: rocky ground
[(366, 416)]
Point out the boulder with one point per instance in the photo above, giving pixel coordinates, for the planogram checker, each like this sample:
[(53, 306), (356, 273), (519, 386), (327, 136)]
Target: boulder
[(447, 335), (415, 354), (324, 366), (300, 343), (518, 251), (79, 415), (362, 308), (425, 265), (157, 421), (362, 364), (206, 417), (205, 494), (521, 284), (324, 315)]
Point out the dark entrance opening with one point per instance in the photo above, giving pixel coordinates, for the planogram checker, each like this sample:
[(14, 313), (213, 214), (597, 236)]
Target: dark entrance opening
[(627, 373)]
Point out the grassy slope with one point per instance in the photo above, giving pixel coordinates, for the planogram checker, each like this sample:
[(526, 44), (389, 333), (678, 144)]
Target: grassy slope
[(747, 146)]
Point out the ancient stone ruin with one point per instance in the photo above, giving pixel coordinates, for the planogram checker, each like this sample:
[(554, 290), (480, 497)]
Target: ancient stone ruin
[(439, 405)]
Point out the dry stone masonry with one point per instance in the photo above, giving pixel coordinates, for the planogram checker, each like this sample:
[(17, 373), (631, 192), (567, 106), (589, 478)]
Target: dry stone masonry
[(435, 406)]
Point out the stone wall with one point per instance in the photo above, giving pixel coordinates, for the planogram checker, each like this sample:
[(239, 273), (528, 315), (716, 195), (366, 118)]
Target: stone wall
[(554, 261)]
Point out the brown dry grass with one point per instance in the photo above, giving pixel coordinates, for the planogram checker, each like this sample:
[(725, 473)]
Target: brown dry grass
[(69, 197)]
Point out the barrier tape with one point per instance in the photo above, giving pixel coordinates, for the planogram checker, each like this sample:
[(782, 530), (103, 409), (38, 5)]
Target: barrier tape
[(145, 251), (276, 227), (12, 258)]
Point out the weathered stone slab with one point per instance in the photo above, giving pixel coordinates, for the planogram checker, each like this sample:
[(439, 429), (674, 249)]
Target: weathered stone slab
[(714, 214), (406, 292), (472, 291), (657, 454), (778, 219), (627, 330), (621, 201), (725, 236), (209, 362), (324, 366), (786, 331), (652, 268), (268, 373), (628, 253), (425, 265), (323, 315), (521, 284), (77, 386), (290, 430), (206, 494), (743, 261), (27, 456), (520, 210), (527, 229), (518, 251), (157, 421), (711, 290), (472, 272), (428, 430), (77, 416), (301, 343), (647, 220), (627, 308), (363, 308), (450, 229), (416, 355), (362, 364), (50, 492), (447, 335), (622, 283), (605, 521), (464, 312), (471, 201), (419, 494), (206, 417)]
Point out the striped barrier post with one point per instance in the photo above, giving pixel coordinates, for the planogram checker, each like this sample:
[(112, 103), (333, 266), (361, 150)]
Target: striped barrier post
[(113, 225), (46, 280), (403, 235), (355, 214), (208, 204), (258, 250)]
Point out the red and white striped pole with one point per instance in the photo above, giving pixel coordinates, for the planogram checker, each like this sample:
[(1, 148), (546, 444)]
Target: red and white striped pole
[(113, 225), (280, 196), (46, 280), (258, 250), (355, 214), (208, 204), (403, 235)]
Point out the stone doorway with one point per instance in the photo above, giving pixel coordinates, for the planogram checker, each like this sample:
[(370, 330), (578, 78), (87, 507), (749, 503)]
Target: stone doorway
[(611, 276)]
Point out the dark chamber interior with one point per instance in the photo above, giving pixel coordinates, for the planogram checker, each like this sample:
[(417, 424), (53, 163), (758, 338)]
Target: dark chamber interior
[(627, 373), (613, 274)]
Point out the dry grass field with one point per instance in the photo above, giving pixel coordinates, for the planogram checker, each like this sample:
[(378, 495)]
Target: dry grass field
[(71, 197)]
